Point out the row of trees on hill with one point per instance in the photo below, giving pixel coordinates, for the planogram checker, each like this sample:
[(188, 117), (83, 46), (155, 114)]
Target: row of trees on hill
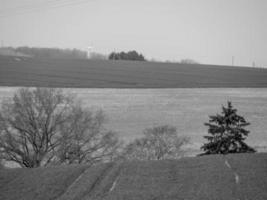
[(57, 53), (44, 126), (52, 53), (188, 61), (130, 55)]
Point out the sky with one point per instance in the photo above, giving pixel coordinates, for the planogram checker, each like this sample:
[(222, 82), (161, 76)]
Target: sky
[(207, 31)]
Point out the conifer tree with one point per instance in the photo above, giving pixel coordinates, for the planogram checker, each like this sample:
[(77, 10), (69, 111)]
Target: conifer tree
[(226, 133)]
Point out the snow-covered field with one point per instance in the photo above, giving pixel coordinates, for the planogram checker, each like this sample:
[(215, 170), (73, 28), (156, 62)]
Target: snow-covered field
[(130, 111)]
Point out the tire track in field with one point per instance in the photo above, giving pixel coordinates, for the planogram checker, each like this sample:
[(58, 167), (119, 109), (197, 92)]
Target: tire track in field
[(93, 191), (115, 178), (237, 179), (105, 183), (114, 184), (73, 184), (87, 184)]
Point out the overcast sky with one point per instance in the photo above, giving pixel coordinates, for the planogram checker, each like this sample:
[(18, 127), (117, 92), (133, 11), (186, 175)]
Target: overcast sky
[(208, 31)]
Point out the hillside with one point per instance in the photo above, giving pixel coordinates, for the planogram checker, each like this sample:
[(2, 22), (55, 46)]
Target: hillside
[(230, 177), (22, 71)]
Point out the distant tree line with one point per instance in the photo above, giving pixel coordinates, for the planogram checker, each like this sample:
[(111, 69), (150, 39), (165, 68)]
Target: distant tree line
[(97, 56), (188, 61), (57, 53), (53, 53), (130, 55)]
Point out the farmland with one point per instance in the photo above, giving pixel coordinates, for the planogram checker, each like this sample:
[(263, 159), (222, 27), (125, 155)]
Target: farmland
[(130, 111), (22, 71), (241, 176), (138, 95)]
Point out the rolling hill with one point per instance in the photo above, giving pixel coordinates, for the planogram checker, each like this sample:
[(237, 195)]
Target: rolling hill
[(242, 176), (23, 71)]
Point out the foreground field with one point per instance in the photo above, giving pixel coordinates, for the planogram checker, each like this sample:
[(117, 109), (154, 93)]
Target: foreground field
[(230, 177), (16, 71)]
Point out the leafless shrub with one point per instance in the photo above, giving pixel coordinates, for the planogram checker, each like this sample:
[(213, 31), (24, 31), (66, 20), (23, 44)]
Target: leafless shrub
[(158, 143)]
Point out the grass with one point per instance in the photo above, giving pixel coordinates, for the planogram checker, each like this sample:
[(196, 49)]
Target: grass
[(37, 184), (88, 183), (196, 178), (124, 74), (253, 175)]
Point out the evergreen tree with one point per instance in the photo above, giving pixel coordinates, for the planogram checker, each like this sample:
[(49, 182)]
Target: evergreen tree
[(227, 133)]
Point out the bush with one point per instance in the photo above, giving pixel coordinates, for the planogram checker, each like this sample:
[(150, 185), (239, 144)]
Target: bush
[(131, 55), (158, 143)]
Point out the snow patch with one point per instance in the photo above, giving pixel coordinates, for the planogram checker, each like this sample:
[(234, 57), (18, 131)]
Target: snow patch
[(114, 185), (227, 164)]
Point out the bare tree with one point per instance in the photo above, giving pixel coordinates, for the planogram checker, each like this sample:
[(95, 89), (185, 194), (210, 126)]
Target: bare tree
[(158, 143), (35, 124), (85, 140)]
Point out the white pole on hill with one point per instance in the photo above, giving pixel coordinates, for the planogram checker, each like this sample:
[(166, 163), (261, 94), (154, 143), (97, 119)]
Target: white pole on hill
[(233, 60), (89, 51)]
